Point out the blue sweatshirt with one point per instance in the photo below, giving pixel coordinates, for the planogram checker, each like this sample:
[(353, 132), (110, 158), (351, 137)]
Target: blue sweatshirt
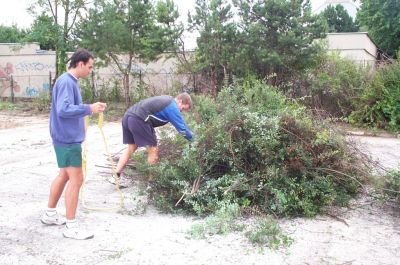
[(67, 125), (160, 110), (172, 114)]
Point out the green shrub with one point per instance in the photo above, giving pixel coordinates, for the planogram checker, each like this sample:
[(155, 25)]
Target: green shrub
[(379, 105), (267, 232), (107, 90), (392, 185), (87, 91), (261, 232), (256, 149), (223, 221), (7, 106), (42, 102), (335, 85)]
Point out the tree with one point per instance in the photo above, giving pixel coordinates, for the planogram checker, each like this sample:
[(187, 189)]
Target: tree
[(11, 34), (338, 19), (277, 38), (382, 19), (124, 31), (71, 11), (216, 44), (44, 31)]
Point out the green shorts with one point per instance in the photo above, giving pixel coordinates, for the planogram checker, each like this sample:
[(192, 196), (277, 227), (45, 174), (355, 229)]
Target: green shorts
[(69, 156)]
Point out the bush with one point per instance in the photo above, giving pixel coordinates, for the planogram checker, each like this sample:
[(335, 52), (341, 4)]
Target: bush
[(7, 106), (224, 221), (260, 231), (268, 232), (335, 85), (42, 102), (392, 185), (256, 149), (106, 90), (379, 105)]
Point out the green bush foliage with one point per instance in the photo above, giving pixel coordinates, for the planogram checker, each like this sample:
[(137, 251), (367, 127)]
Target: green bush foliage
[(222, 222), (7, 106), (106, 91), (262, 231), (267, 232), (255, 148), (335, 84), (379, 105), (42, 102), (392, 185)]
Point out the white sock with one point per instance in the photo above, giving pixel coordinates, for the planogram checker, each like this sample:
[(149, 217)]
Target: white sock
[(51, 211), (70, 223)]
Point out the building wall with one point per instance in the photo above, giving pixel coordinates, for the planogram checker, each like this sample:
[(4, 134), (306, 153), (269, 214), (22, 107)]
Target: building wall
[(355, 46), (159, 76), (26, 69), (18, 49), (29, 71)]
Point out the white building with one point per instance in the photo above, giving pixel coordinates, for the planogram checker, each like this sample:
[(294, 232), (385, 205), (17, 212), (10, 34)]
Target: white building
[(356, 46)]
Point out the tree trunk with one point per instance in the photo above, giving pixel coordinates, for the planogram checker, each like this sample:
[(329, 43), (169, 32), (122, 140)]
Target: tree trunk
[(213, 82), (226, 76), (57, 44), (126, 89)]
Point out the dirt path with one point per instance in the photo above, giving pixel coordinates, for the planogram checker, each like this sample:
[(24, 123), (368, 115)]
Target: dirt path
[(367, 234)]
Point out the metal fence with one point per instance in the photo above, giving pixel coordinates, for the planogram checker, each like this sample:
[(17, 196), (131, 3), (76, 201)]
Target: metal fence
[(31, 86)]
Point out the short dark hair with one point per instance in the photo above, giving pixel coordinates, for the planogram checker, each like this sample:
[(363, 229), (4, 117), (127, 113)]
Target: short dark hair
[(80, 55), (185, 99)]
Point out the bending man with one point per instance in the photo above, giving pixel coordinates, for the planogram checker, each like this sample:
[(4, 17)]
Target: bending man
[(140, 120)]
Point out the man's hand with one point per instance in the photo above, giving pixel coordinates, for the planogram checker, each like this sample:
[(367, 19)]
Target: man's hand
[(189, 135), (98, 107)]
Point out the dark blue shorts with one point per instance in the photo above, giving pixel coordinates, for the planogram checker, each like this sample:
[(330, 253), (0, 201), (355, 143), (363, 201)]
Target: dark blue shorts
[(137, 131)]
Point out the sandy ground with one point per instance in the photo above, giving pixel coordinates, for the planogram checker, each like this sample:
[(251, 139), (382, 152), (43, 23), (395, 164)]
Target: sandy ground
[(365, 233)]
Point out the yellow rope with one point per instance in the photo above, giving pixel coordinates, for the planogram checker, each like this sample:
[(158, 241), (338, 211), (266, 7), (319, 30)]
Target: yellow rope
[(84, 169)]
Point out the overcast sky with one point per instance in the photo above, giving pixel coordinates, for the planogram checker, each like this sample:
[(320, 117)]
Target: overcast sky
[(14, 12)]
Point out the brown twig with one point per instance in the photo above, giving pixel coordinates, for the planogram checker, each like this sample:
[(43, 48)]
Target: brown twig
[(337, 218)]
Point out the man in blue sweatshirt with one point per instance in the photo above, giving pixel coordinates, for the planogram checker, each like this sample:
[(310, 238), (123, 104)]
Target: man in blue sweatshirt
[(67, 130), (140, 120)]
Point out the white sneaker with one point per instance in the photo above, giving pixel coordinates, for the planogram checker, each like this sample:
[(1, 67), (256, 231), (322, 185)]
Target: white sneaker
[(52, 220), (113, 180), (77, 233)]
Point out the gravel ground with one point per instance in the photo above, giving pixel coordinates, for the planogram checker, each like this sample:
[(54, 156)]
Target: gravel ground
[(365, 233)]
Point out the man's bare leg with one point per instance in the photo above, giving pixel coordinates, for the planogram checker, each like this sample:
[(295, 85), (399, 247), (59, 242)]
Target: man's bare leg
[(152, 159), (51, 217), (126, 155), (72, 192), (153, 155), (71, 203), (57, 188)]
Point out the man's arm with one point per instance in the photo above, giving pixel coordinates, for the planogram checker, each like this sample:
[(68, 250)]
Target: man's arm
[(175, 117), (67, 109)]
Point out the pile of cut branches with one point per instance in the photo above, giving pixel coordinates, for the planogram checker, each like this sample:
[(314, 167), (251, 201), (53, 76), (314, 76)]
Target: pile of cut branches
[(255, 148)]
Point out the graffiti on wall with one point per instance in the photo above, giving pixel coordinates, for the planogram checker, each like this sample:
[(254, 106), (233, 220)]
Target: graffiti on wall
[(32, 72), (33, 66), (5, 80), (32, 91)]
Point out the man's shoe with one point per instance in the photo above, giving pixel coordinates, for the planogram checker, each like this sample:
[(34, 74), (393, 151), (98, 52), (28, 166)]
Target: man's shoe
[(77, 233), (113, 180), (52, 220)]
